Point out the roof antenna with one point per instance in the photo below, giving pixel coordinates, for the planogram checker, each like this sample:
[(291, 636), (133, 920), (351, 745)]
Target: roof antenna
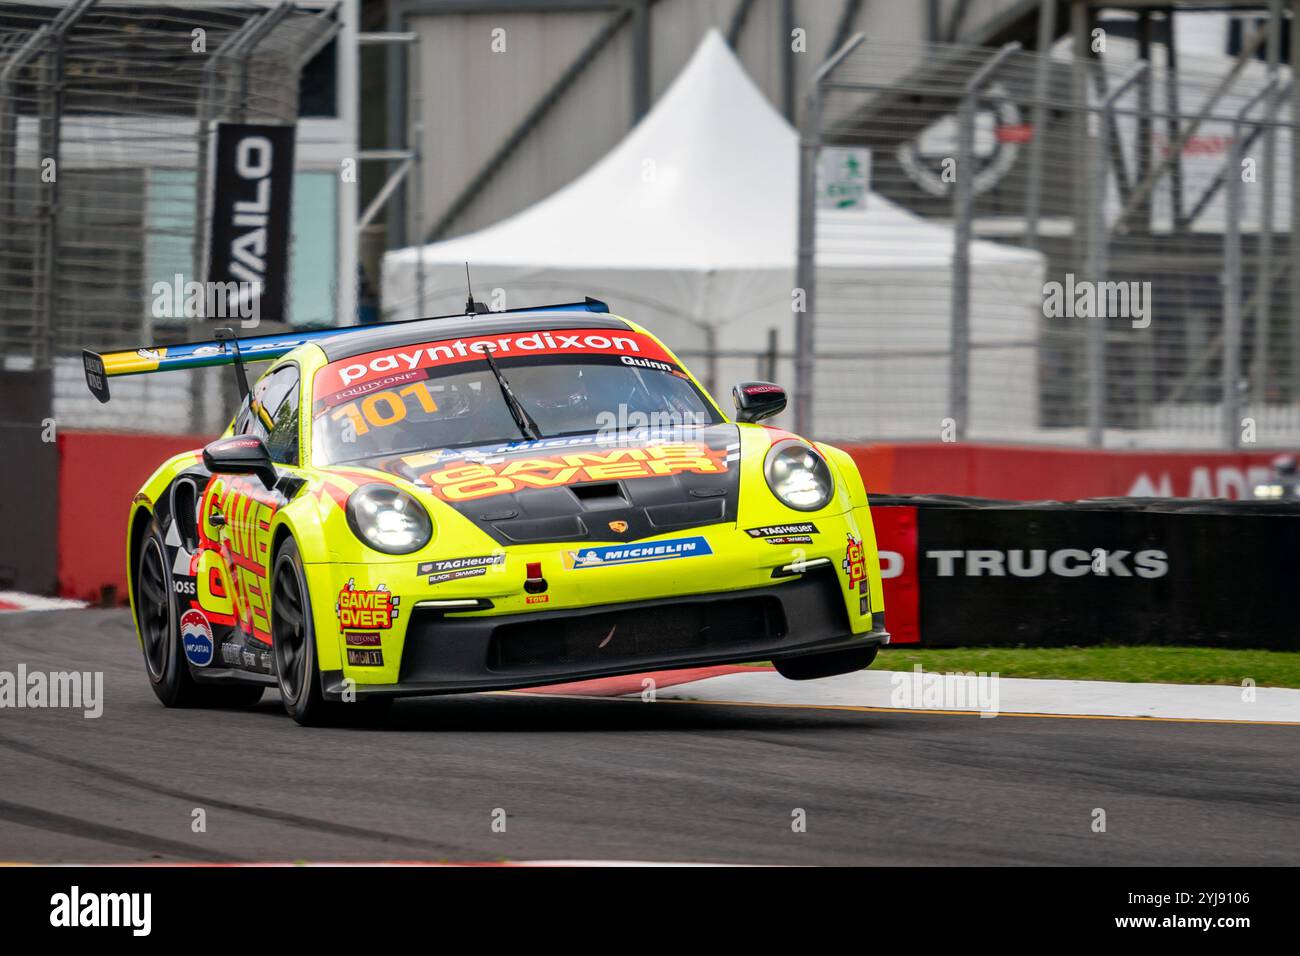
[(472, 307)]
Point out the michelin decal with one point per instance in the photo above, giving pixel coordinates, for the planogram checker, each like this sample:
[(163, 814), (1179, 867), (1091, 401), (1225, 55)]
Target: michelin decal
[(637, 553)]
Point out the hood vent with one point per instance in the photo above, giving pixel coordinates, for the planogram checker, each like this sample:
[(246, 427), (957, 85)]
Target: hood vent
[(686, 515), (603, 494), (537, 530)]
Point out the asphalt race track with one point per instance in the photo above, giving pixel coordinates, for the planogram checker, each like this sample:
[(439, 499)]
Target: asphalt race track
[(608, 779)]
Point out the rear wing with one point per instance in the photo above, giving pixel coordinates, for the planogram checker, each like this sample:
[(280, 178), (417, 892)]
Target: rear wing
[(101, 366)]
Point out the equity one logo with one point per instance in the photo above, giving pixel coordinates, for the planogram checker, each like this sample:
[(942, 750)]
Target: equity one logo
[(1065, 563)]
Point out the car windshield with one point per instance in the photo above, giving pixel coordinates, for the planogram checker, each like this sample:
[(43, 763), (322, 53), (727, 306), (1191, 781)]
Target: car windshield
[(444, 394)]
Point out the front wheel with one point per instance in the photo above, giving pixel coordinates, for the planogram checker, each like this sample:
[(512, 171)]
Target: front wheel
[(293, 643), (293, 640), (814, 666)]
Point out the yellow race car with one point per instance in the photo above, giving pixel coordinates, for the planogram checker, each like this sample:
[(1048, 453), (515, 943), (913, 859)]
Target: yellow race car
[(486, 501)]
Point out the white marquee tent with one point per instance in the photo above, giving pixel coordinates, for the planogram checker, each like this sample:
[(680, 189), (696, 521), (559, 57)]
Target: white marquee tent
[(689, 227)]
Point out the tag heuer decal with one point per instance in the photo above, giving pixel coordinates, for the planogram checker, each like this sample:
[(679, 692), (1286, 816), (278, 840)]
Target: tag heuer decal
[(457, 575), (459, 564), (780, 530)]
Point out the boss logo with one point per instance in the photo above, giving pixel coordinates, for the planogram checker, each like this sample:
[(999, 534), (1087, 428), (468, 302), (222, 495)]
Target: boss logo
[(1065, 563)]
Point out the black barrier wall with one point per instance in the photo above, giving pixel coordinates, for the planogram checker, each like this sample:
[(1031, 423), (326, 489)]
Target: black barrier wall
[(29, 482), (1132, 571)]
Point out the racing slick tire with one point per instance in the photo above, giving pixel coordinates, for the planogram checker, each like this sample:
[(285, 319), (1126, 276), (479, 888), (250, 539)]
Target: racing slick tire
[(164, 657), (293, 648), (815, 666)]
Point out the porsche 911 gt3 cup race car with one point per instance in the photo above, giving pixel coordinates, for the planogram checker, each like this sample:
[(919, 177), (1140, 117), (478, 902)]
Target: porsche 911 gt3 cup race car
[(487, 501)]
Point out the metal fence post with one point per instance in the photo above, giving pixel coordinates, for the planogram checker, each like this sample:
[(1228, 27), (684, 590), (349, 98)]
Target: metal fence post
[(1042, 63), (407, 160), (805, 264), (415, 183), (50, 137), (805, 267), (9, 191), (963, 196), (1232, 285), (1267, 175), (1098, 254), (1293, 247), (260, 28), (213, 103), (209, 108)]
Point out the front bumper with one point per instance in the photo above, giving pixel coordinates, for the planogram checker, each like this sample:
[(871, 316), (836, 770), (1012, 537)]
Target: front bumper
[(460, 654)]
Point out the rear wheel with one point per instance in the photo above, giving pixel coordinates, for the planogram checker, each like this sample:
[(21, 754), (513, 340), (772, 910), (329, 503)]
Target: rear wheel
[(157, 617), (814, 666)]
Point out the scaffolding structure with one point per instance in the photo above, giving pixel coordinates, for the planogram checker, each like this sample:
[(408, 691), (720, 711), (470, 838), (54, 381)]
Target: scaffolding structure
[(1159, 188)]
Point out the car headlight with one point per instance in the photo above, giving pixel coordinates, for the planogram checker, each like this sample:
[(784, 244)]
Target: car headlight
[(388, 519), (798, 475)]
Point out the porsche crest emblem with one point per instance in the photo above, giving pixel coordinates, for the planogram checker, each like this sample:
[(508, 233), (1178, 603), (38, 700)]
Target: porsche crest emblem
[(618, 527)]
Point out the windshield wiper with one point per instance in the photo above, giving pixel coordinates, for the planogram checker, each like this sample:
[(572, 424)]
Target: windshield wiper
[(517, 410)]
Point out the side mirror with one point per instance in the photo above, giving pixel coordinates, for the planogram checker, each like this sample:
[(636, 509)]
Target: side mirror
[(757, 400), (240, 455)]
